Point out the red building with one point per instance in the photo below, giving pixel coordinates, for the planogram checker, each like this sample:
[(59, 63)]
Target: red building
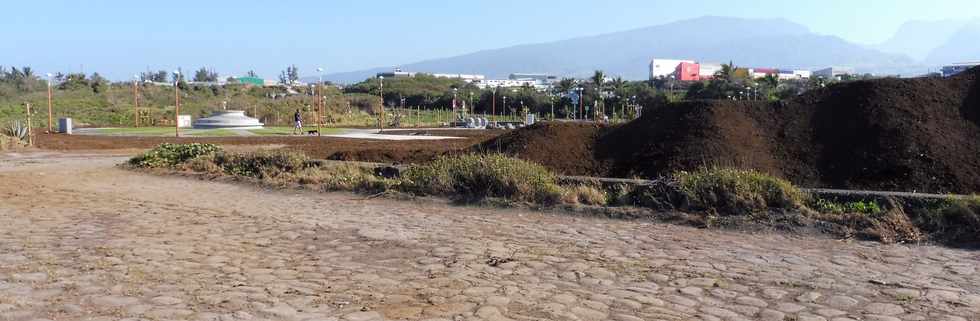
[(688, 72)]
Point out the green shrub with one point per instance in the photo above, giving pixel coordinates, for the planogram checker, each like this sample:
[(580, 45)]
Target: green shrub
[(171, 155), (482, 176), (859, 207), (262, 164), (734, 191), (346, 177)]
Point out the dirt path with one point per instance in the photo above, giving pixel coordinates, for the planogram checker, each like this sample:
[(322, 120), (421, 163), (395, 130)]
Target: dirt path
[(82, 240)]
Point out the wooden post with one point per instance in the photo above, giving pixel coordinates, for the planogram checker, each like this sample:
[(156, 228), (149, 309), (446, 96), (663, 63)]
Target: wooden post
[(49, 105), (30, 137)]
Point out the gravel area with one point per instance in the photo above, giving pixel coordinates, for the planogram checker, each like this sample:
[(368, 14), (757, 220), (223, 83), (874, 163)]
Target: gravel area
[(83, 240)]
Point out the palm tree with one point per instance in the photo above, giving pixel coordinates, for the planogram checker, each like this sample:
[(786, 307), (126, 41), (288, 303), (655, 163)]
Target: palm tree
[(598, 79)]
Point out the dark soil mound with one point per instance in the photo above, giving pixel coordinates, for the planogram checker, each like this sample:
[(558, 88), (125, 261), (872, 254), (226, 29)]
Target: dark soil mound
[(566, 148), (888, 134)]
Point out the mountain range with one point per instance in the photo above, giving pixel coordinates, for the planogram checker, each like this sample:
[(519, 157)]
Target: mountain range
[(917, 47)]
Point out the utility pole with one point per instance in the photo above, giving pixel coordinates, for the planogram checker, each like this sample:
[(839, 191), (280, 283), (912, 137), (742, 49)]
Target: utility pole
[(322, 102)]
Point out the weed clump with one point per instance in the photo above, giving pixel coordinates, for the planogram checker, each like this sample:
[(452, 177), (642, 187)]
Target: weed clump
[(736, 191), (484, 176), (869, 207), (171, 155), (585, 194), (262, 164)]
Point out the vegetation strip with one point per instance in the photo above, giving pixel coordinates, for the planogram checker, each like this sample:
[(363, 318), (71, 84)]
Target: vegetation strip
[(713, 197)]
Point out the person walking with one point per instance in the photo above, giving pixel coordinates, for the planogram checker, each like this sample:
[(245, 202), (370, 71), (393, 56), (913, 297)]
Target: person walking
[(297, 123)]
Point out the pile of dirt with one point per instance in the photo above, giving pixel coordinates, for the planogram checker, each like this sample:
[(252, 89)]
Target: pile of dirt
[(918, 134), (566, 148)]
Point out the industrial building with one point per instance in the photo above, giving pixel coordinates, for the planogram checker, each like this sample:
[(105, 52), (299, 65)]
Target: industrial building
[(785, 74), (956, 68), (539, 77), (688, 71), (708, 70), (398, 73), (833, 72), (665, 67)]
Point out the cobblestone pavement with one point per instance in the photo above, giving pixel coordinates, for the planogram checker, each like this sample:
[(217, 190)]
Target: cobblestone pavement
[(82, 240)]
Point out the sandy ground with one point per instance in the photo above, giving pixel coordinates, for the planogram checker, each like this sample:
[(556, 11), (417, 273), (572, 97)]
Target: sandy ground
[(83, 240)]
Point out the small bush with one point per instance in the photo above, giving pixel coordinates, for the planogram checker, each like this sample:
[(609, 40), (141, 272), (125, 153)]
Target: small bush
[(262, 164), (482, 176), (171, 155), (951, 220), (584, 194), (859, 207), (345, 177), (734, 191)]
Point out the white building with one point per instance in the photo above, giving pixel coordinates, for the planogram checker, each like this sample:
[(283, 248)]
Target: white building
[(512, 83), (708, 70), (956, 68), (463, 77), (664, 67), (785, 74), (833, 72)]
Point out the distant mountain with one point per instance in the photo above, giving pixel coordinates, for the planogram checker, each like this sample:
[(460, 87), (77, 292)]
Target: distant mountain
[(962, 46), (918, 39), (747, 42)]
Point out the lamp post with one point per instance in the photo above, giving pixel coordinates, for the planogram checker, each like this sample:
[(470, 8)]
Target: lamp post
[(471, 104), (581, 102), (381, 93), (455, 91), (136, 100), (176, 103), (49, 103)]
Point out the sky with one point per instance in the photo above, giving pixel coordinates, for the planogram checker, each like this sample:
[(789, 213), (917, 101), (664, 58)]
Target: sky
[(121, 38)]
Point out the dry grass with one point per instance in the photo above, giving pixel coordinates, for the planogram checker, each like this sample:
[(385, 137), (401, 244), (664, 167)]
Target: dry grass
[(584, 194)]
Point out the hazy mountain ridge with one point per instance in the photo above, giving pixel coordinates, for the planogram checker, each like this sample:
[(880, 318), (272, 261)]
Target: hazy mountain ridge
[(747, 42)]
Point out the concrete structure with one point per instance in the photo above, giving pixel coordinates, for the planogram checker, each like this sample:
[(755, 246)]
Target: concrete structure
[(228, 119), (64, 125), (463, 77), (665, 67), (708, 70), (687, 71), (833, 72), (953, 69)]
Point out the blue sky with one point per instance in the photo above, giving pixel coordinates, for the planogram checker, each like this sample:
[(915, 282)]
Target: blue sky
[(119, 38)]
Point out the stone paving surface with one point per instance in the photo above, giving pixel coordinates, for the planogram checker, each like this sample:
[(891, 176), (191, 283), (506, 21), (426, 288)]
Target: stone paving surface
[(82, 240)]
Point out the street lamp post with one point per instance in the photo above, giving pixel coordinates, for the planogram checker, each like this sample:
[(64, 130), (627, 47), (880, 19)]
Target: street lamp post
[(581, 102), (176, 103), (49, 103)]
